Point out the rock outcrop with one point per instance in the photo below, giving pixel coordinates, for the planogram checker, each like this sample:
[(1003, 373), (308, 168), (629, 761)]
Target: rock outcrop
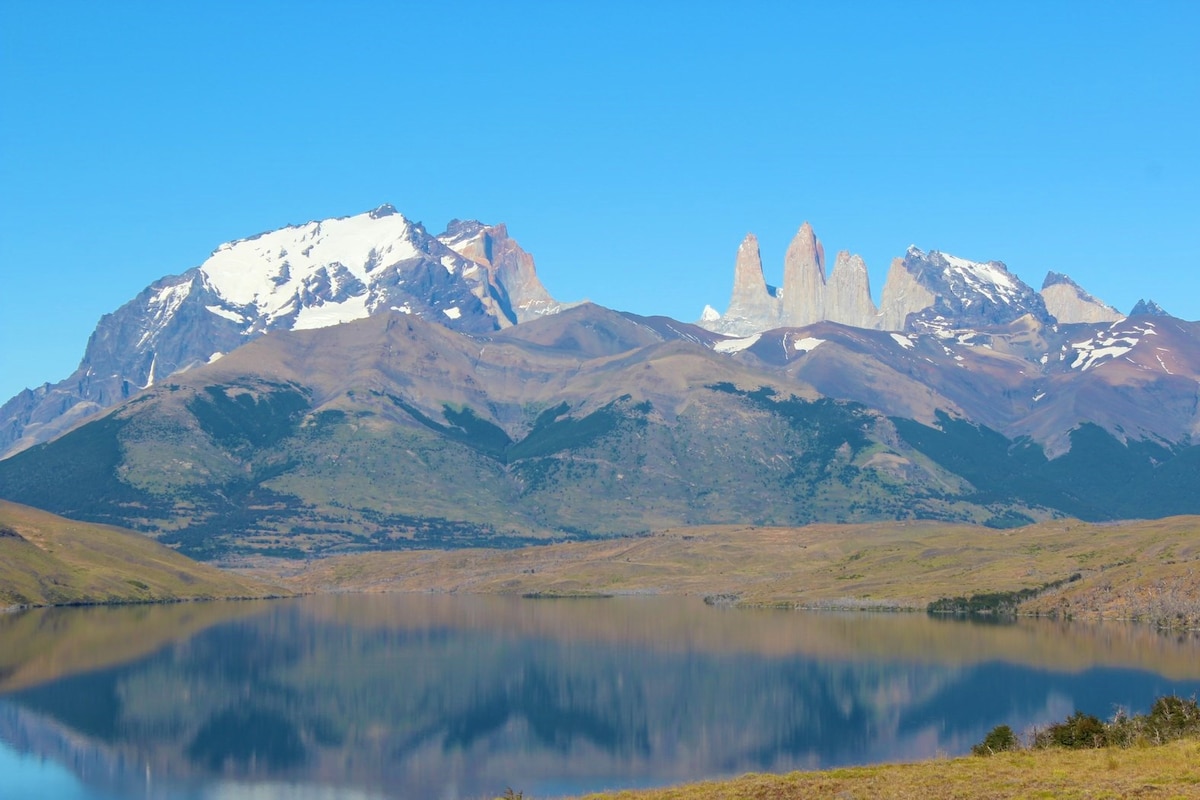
[(802, 295), (1069, 303), (903, 294), (511, 271), (753, 305), (848, 293), (806, 297), (1148, 308)]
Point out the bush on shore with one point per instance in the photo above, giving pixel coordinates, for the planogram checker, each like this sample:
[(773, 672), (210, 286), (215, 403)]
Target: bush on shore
[(1170, 718)]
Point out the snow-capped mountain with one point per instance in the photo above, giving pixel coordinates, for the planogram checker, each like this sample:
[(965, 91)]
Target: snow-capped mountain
[(957, 293), (471, 278)]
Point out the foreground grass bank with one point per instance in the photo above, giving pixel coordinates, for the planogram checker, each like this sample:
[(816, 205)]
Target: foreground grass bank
[(1167, 771), (1147, 570)]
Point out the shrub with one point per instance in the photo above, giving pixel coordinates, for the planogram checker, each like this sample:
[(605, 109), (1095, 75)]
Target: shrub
[(1000, 739), (1079, 731), (1171, 717)]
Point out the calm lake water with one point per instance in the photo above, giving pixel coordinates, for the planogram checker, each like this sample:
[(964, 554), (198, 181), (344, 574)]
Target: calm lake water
[(418, 696)]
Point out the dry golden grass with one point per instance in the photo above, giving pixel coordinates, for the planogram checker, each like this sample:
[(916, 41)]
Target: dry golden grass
[(54, 561), (1167, 771), (1143, 570)]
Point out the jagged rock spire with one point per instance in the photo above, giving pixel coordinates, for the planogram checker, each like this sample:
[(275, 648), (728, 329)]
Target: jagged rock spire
[(848, 293), (803, 291), (903, 294), (751, 300)]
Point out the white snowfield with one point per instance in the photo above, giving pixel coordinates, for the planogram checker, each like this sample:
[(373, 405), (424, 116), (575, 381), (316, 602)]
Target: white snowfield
[(807, 344), (736, 345), (331, 313), (295, 255)]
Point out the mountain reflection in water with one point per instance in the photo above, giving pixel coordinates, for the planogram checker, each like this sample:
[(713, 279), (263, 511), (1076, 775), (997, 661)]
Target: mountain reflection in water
[(437, 696)]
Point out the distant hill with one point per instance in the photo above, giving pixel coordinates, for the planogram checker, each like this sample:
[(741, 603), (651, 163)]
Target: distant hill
[(1145, 570), (49, 560)]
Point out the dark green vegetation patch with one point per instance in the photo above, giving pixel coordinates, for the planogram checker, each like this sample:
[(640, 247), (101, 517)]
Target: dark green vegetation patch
[(1100, 478), (249, 416), (994, 604), (77, 475), (551, 433)]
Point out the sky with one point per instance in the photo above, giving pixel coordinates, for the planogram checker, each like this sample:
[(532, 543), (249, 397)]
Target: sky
[(629, 146)]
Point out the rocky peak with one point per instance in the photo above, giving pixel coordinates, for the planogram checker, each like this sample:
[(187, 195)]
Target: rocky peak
[(752, 306), (511, 272), (802, 296), (385, 210), (1148, 308), (904, 294), (460, 230), (848, 293), (1069, 303), (966, 294)]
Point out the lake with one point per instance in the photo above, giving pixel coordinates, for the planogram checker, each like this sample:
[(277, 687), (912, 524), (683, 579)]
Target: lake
[(435, 696)]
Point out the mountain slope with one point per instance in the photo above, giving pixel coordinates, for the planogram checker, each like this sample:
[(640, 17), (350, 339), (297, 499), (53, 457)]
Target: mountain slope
[(49, 560), (1138, 378)]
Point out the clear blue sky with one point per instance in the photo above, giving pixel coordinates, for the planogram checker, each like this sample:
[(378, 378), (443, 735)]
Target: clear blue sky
[(629, 146)]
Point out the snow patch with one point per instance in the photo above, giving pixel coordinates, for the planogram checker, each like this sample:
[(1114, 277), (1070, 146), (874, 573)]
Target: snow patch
[(331, 313), (404, 309), (168, 300), (452, 312), (988, 272), (226, 313), (1092, 351), (215, 357), (807, 344), (736, 345), (710, 314), (903, 341)]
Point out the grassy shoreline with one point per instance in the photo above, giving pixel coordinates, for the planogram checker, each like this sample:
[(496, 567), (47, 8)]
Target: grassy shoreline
[(1147, 571), (1170, 770)]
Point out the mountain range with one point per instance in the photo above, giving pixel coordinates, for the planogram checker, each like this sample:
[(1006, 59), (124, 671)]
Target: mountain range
[(359, 384)]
